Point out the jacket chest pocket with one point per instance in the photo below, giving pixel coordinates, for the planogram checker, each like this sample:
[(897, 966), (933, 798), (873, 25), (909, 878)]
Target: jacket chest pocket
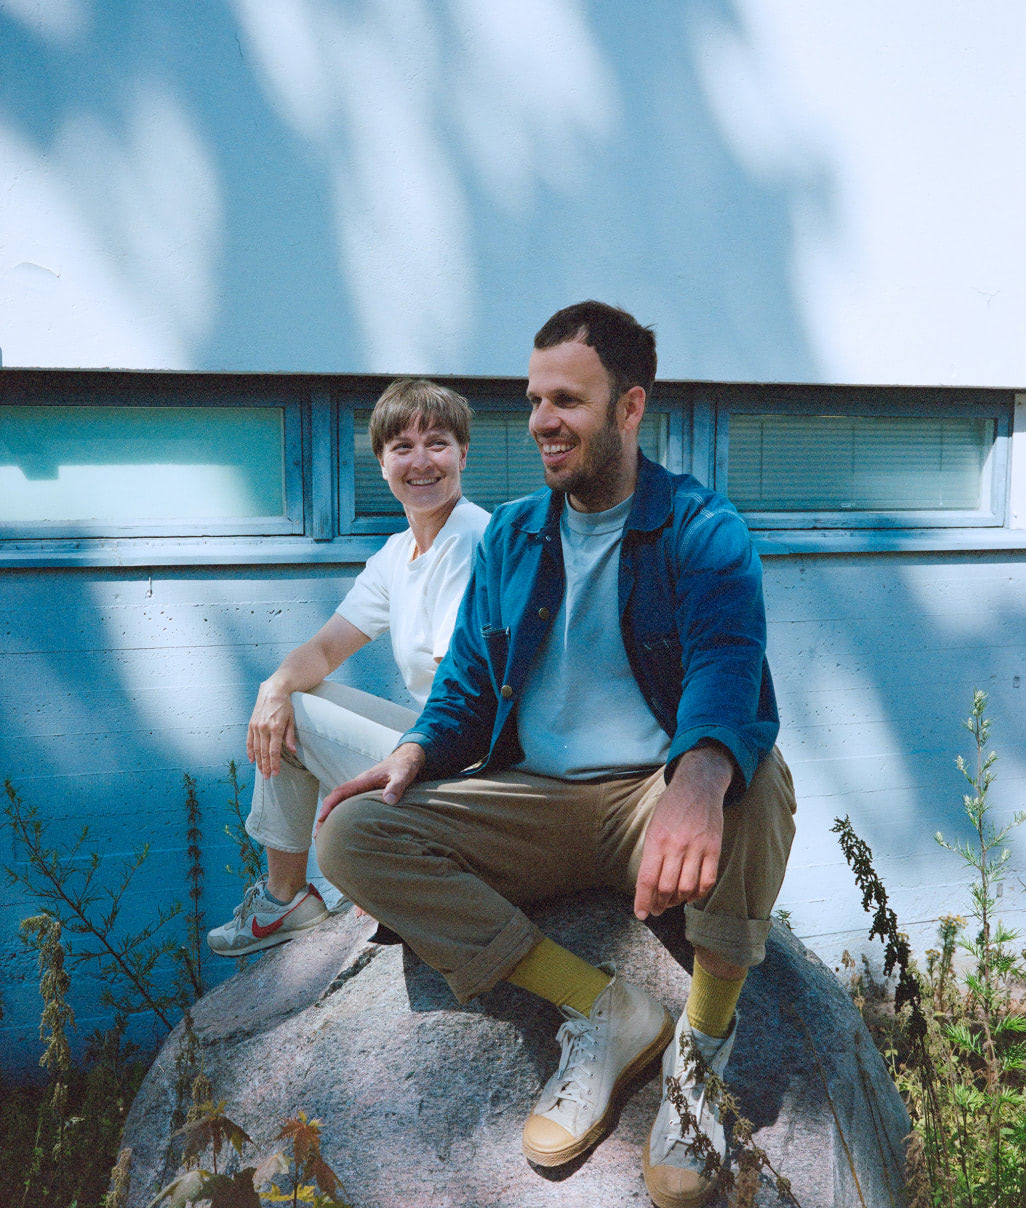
[(496, 642)]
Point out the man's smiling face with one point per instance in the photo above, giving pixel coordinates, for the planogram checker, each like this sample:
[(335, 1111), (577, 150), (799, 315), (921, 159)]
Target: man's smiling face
[(580, 428)]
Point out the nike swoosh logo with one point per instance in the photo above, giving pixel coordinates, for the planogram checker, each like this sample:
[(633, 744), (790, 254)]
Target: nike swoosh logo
[(261, 933)]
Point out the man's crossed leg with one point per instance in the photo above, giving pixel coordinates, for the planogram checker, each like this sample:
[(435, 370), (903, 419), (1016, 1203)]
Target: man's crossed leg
[(450, 868)]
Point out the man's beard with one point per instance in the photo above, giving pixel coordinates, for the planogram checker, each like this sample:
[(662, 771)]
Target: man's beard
[(592, 476)]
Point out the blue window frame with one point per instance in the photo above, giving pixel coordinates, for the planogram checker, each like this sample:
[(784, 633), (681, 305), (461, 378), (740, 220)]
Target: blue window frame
[(159, 468)]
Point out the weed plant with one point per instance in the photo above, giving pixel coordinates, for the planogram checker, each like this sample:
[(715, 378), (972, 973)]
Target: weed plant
[(293, 1174), (960, 1049), (58, 1142), (251, 865), (192, 954), (741, 1181), (65, 882)]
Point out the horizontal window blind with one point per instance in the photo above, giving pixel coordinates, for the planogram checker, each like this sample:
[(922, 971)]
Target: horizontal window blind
[(134, 465), (802, 462), (503, 462)]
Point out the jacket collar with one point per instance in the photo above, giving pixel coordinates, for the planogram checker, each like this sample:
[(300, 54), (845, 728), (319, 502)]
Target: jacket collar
[(650, 509)]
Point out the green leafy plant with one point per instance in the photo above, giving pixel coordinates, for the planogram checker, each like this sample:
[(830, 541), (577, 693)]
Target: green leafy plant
[(251, 855), (192, 954), (66, 883), (960, 1067), (297, 1173)]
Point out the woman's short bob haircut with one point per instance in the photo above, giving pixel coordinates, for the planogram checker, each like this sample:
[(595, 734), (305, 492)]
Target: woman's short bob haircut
[(416, 400)]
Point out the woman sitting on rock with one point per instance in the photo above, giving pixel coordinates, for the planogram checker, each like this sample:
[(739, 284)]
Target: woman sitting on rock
[(306, 732)]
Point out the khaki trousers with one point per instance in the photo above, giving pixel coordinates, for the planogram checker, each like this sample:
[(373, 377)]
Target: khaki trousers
[(340, 732), (451, 866)]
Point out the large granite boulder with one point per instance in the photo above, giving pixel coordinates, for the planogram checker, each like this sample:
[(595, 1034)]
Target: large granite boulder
[(422, 1100)]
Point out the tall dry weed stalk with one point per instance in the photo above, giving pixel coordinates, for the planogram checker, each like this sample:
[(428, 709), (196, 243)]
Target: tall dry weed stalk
[(959, 1058)]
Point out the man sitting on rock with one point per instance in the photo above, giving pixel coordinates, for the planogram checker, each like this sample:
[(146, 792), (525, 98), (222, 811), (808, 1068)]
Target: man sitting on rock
[(604, 717)]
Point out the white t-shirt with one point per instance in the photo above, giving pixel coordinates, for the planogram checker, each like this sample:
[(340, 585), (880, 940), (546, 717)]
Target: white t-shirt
[(417, 601)]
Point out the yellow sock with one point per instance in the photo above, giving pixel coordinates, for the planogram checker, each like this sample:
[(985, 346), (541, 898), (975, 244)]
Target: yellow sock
[(556, 974), (711, 1003)]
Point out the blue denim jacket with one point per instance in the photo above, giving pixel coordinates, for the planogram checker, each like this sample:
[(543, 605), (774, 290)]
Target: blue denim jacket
[(691, 615)]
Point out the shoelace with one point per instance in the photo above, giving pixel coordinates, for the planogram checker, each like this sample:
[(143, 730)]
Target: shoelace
[(243, 909), (578, 1038), (675, 1132)]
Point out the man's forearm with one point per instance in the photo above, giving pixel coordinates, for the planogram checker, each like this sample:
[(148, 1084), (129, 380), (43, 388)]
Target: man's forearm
[(708, 768), (681, 851)]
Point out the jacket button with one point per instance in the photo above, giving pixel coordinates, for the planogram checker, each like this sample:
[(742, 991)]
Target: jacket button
[(543, 613), (505, 691)]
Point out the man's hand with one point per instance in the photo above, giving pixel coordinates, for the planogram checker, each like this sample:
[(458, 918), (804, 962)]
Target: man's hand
[(271, 725), (394, 775), (681, 855)]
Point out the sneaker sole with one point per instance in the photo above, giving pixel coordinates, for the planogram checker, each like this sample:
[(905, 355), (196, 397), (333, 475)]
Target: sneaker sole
[(279, 937), (560, 1157)]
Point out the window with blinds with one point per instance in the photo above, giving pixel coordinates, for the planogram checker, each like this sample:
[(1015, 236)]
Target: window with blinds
[(902, 469), (503, 462)]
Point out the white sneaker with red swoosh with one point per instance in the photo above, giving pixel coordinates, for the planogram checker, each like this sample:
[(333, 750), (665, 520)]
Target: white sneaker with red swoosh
[(260, 923)]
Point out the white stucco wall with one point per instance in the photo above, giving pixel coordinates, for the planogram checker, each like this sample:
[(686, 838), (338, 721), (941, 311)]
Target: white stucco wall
[(804, 192)]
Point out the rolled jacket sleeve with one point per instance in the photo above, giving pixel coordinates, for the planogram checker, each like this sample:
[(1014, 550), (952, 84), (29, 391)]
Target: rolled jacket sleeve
[(455, 725), (726, 692)]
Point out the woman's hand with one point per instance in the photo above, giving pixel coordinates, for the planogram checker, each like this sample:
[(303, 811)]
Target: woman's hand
[(271, 725)]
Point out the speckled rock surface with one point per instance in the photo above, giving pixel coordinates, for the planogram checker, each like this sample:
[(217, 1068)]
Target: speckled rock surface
[(422, 1100)]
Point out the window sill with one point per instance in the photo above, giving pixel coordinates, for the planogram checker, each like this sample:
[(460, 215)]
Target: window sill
[(356, 549), (196, 551), (799, 542)]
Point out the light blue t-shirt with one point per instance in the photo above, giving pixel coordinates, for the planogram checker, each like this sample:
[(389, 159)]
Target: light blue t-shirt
[(581, 714)]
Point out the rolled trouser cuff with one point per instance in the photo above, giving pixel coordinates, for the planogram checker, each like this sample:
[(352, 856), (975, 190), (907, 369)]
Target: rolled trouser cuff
[(489, 966), (284, 806), (738, 941)]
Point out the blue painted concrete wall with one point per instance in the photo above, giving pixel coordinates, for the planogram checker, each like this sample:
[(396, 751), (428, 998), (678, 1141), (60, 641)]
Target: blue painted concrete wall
[(115, 683)]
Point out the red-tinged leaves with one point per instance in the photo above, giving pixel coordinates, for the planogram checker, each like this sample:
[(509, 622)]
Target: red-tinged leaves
[(327, 1180), (305, 1136)]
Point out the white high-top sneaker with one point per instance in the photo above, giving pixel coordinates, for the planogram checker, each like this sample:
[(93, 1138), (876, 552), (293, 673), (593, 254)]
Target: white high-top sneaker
[(673, 1170), (602, 1052)]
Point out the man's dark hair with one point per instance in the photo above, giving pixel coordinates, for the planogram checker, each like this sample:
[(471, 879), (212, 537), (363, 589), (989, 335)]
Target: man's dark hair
[(626, 349)]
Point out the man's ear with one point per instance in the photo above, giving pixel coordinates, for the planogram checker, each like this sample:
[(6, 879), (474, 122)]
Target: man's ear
[(463, 457), (381, 463), (633, 403)]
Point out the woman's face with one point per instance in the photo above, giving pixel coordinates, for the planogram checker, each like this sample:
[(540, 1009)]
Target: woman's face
[(422, 467)]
